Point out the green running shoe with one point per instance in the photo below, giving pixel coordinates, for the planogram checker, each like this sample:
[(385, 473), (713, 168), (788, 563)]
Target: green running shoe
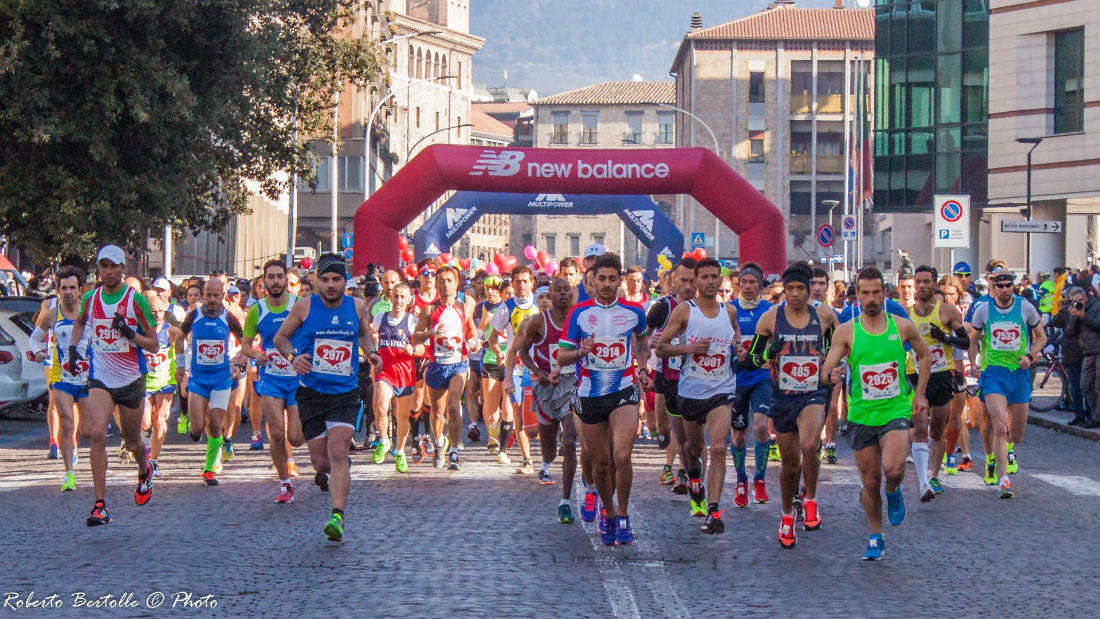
[(334, 528), (773, 452), (951, 465), (565, 514), (379, 455), (400, 463), (991, 474), (69, 483), (699, 509), (227, 450), (1013, 465), (937, 487), (181, 425)]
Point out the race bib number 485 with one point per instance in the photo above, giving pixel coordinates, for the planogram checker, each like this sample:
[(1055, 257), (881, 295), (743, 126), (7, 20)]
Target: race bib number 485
[(798, 372), (332, 357), (880, 381)]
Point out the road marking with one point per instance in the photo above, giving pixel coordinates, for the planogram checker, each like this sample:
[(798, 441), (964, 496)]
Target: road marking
[(1081, 486), (964, 481)]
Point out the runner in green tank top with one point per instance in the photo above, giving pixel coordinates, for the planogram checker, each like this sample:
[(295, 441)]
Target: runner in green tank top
[(160, 382), (880, 402)]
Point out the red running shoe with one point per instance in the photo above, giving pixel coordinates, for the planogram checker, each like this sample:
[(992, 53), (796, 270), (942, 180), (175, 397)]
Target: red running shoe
[(786, 532), (286, 494), (741, 498), (811, 519), (759, 492)]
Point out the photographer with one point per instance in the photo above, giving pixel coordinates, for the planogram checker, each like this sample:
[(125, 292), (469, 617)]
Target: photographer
[(1085, 311), (1072, 357)]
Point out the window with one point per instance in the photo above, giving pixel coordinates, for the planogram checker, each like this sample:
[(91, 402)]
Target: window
[(666, 122), (597, 238), (756, 87), (756, 146), (437, 121), (574, 244), (419, 63), (633, 133), (527, 239), (458, 130), (589, 122), (323, 178), (351, 174), (560, 133), (418, 117), (550, 240), (1069, 74), (412, 62), (458, 75)]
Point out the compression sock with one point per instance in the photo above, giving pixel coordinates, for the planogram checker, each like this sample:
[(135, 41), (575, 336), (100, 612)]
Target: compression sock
[(739, 454), (1011, 447), (545, 468), (920, 460), (213, 447), (696, 473), (760, 452), (506, 428)]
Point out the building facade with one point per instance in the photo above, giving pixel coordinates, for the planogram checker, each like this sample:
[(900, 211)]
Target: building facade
[(777, 89), (1041, 86), (607, 115)]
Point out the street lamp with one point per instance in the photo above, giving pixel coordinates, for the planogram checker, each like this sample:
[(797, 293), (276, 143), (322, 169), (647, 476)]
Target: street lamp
[(717, 151), (1034, 144)]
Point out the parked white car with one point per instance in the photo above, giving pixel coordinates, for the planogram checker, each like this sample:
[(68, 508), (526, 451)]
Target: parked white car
[(21, 378)]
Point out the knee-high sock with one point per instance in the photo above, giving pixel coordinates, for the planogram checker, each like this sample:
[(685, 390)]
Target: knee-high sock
[(506, 428), (920, 460), (760, 451), (739, 454), (213, 448)]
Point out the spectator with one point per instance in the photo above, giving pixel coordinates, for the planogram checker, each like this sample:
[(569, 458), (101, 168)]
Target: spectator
[(1046, 290), (1087, 313), (1071, 352)]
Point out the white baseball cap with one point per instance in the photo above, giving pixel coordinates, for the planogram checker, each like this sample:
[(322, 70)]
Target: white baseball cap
[(112, 253), (162, 283), (595, 249)]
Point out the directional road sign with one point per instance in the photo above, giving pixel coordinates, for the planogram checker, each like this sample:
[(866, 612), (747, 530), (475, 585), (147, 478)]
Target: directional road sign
[(1034, 227)]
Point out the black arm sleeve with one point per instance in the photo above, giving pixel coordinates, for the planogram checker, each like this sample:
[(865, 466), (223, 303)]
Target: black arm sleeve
[(658, 315), (187, 322), (960, 339), (757, 353), (235, 327), (827, 340)]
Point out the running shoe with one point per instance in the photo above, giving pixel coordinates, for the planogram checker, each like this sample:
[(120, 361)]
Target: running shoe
[(492, 445), (990, 474), (218, 466), (1006, 489), (54, 453), (695, 489), (379, 455), (257, 443), (588, 506), (437, 459), (545, 479), (909, 459), (502, 458), (951, 465), (69, 483), (607, 532), (526, 468), (565, 514), (645, 432), (741, 495), (474, 433), (601, 526), (937, 487), (321, 481), (181, 425), (876, 547), (895, 506), (966, 463), (124, 455), (292, 468), (1013, 465), (663, 440), (786, 535), (144, 490), (713, 524), (830, 453), (227, 450), (99, 515), (811, 519), (74, 460), (759, 491), (681, 486), (209, 479), (773, 451), (623, 534), (927, 494), (286, 494), (399, 462), (666, 477), (334, 528), (156, 468), (452, 461), (698, 508)]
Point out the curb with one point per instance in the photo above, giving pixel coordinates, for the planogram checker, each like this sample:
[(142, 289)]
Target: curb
[(1057, 426)]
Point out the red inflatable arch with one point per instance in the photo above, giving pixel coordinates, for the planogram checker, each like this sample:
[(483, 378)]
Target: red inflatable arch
[(696, 171)]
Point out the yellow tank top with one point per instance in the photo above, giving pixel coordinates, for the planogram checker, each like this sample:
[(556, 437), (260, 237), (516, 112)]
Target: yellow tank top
[(940, 353)]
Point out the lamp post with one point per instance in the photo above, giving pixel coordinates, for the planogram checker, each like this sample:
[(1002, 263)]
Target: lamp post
[(1034, 144), (717, 151)]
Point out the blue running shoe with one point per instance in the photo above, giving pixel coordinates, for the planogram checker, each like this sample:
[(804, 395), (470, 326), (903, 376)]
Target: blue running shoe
[(54, 453), (876, 547), (623, 534), (951, 465), (608, 535), (604, 524), (588, 506), (895, 506)]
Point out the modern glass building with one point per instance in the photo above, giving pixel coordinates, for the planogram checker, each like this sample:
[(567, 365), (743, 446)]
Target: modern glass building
[(931, 102)]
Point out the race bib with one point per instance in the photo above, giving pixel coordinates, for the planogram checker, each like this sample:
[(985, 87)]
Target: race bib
[(332, 357), (210, 352), (799, 372), (675, 363), (277, 365), (714, 365), (448, 349), (1005, 336), (939, 357), (746, 342), (608, 353), (155, 359), (880, 381), (81, 375), (107, 339), (569, 369)]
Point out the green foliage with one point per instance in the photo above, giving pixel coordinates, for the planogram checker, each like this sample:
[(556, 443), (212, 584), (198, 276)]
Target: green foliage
[(118, 117)]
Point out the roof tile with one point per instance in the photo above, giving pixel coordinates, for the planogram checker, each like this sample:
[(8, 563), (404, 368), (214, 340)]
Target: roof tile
[(791, 24), (615, 93)]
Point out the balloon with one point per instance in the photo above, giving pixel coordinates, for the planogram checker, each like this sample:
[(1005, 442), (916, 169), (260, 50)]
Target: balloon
[(687, 254), (306, 262), (492, 269), (402, 242), (530, 252), (407, 254), (551, 267), (542, 257), (464, 263), (507, 264), (410, 270), (699, 253), (475, 263), (446, 257), (498, 259)]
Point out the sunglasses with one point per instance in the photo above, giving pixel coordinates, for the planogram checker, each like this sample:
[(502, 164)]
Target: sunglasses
[(427, 273), (961, 274), (1002, 285)]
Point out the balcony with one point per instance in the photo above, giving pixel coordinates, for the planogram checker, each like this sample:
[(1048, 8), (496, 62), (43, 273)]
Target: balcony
[(826, 104), (589, 137), (826, 164)]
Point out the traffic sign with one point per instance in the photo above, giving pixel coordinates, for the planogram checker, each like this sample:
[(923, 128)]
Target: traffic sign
[(345, 240), (952, 221), (848, 229), (825, 235), (347, 253), (698, 239), (1033, 227)]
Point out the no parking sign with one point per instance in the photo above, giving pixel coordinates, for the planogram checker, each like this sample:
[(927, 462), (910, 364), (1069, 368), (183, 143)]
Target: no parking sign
[(952, 227), (825, 235)]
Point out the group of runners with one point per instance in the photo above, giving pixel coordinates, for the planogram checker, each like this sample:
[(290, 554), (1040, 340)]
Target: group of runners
[(707, 365)]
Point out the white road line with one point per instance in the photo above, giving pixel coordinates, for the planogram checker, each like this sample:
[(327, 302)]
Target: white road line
[(964, 481), (613, 571), (1081, 486)]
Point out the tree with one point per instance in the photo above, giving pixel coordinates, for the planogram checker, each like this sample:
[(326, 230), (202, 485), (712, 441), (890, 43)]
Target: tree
[(117, 118)]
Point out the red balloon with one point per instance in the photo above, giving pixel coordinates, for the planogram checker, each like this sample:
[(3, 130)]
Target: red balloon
[(464, 263), (687, 254), (445, 257), (498, 259), (407, 254), (543, 258), (402, 242), (509, 263), (699, 253), (306, 262), (410, 270)]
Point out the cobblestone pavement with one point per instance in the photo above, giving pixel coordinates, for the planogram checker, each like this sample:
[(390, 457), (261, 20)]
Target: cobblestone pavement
[(486, 542)]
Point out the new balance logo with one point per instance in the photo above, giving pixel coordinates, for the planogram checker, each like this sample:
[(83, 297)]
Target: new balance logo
[(504, 163)]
